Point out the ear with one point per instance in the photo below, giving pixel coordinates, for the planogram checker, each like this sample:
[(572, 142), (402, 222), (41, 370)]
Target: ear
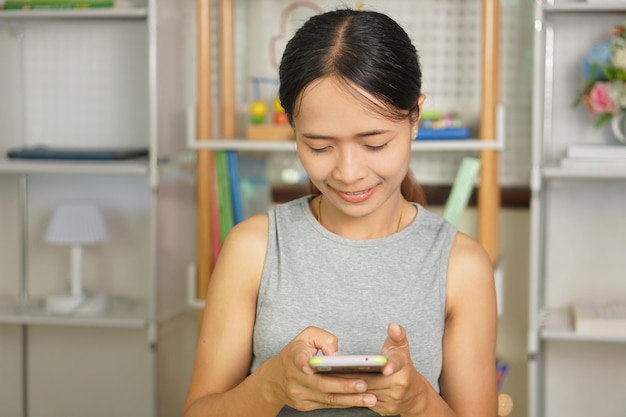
[(420, 103), (418, 110)]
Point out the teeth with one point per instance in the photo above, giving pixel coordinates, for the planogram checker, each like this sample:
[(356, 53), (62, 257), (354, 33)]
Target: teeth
[(356, 193)]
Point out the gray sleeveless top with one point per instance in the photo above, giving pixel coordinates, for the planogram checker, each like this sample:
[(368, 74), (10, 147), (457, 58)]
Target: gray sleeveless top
[(353, 289)]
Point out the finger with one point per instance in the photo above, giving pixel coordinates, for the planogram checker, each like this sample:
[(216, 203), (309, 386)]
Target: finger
[(319, 339), (396, 334), (339, 391), (396, 342), (334, 400), (314, 339)]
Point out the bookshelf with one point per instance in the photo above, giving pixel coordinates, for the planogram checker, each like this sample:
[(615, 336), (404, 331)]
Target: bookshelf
[(488, 142), (577, 224), (214, 129), (96, 78)]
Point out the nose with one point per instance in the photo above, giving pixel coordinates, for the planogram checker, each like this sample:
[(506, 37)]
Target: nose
[(349, 166)]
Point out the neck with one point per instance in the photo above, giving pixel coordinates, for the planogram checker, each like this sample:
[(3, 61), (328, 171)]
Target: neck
[(399, 225)]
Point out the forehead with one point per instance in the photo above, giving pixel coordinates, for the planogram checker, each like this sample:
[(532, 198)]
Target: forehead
[(335, 99)]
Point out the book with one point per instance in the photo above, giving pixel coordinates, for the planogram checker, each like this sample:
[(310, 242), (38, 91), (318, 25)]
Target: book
[(56, 4), (595, 150), (76, 153), (425, 133), (224, 199), (461, 189), (234, 182), (599, 318), (215, 219), (594, 163)]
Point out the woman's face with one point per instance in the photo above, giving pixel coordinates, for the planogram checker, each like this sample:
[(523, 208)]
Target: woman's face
[(355, 156)]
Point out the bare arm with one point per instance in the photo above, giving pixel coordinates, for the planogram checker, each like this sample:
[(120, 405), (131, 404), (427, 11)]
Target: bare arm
[(224, 348), (220, 384), (468, 380)]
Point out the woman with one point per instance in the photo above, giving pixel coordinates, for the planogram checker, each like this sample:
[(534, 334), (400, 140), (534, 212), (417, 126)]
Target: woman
[(359, 266)]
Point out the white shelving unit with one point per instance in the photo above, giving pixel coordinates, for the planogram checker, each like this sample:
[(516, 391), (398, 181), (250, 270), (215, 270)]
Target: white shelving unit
[(99, 78), (465, 145), (577, 224)]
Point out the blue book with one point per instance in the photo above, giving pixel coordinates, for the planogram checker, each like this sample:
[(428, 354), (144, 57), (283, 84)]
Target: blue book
[(425, 133), (235, 189)]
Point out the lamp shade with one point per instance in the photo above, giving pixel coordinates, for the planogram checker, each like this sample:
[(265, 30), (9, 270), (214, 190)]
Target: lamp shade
[(76, 223)]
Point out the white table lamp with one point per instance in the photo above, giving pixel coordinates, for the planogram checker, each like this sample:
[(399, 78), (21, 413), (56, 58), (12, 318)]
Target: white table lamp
[(75, 224)]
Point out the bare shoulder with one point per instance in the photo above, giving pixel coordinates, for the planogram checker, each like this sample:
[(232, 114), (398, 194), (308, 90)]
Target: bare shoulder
[(470, 273), (247, 240), (469, 258), (249, 234)]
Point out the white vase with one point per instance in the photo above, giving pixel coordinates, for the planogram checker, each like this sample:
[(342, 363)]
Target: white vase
[(618, 126)]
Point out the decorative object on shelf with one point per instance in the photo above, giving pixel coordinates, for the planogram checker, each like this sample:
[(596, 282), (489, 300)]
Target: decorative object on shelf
[(259, 127), (281, 37), (76, 224), (438, 125), (604, 72), (618, 126)]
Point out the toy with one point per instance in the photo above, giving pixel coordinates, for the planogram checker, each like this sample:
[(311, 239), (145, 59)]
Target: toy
[(258, 112), (261, 126)]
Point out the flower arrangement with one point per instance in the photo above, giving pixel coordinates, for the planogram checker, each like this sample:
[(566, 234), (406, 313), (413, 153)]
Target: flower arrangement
[(604, 71)]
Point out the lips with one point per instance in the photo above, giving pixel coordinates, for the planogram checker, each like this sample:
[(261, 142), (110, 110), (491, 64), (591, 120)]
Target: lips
[(355, 196)]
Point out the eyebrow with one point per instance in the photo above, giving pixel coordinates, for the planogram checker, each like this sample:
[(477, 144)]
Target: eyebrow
[(360, 135)]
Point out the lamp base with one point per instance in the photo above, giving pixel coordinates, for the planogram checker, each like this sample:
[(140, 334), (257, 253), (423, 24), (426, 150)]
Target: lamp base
[(81, 304)]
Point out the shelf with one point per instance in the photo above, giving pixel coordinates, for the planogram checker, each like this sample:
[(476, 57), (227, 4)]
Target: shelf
[(558, 326), (29, 166), (555, 172), (585, 7), (120, 313), (100, 13), (290, 146)]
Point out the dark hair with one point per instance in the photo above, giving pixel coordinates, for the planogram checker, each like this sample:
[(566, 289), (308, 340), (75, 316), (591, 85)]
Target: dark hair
[(365, 49)]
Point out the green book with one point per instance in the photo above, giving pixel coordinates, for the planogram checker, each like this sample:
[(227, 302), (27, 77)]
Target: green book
[(461, 189), (224, 197), (57, 4)]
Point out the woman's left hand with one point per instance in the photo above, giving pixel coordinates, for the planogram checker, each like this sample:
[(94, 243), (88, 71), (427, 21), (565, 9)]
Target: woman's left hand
[(399, 389)]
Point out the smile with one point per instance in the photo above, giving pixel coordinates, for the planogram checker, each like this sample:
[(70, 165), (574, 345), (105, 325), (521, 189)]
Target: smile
[(356, 192), (356, 196)]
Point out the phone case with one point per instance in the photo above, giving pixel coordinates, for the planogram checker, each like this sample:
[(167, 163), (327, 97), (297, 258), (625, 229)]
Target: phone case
[(348, 363)]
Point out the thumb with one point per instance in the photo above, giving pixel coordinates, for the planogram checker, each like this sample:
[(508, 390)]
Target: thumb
[(395, 348), (396, 338), (309, 342)]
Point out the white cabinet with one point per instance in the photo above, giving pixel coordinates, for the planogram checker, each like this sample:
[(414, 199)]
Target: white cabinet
[(99, 78), (578, 227)]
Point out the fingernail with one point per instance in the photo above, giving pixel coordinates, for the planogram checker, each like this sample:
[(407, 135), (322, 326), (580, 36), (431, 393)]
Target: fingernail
[(369, 400), (361, 386)]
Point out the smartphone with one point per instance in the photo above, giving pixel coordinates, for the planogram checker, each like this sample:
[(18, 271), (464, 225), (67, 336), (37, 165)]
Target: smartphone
[(348, 363)]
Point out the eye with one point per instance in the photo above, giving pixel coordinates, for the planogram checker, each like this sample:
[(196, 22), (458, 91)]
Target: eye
[(376, 148), (319, 150)]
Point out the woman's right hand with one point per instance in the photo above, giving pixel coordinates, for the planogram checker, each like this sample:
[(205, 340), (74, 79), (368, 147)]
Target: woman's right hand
[(293, 382)]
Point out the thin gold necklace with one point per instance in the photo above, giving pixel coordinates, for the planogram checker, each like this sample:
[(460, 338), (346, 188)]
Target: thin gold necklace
[(319, 213)]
